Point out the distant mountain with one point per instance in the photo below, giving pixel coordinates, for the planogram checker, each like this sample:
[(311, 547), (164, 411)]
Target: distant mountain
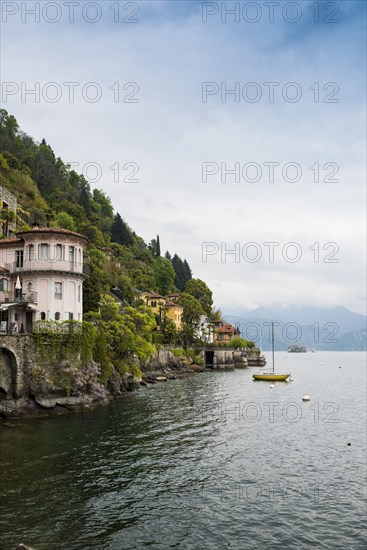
[(314, 327), (353, 341)]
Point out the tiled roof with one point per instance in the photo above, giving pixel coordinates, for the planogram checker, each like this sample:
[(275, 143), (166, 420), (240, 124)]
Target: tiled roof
[(10, 240), (172, 304), (53, 230), (153, 295), (226, 327)]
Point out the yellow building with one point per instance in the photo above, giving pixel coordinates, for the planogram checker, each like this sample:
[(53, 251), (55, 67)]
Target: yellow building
[(162, 306), (174, 313), (155, 301)]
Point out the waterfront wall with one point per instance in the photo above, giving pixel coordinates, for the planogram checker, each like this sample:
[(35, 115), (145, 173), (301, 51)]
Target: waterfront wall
[(22, 394)]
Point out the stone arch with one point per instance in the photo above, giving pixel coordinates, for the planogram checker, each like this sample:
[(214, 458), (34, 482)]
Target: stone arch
[(8, 374)]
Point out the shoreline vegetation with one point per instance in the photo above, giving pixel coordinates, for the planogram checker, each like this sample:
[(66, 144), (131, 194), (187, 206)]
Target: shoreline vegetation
[(46, 399), (138, 302)]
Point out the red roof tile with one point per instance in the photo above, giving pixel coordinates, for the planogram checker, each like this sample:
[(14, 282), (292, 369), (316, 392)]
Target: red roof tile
[(172, 304), (10, 240), (54, 230)]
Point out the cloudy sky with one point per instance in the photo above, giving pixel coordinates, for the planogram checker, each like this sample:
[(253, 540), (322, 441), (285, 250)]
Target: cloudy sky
[(218, 131)]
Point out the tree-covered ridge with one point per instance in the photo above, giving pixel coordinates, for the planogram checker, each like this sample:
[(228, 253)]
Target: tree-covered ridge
[(51, 194), (118, 327)]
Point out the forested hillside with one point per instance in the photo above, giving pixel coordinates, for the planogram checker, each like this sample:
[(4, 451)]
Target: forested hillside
[(50, 194)]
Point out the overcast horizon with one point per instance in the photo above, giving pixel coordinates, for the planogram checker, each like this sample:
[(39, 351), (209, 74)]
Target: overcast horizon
[(244, 136)]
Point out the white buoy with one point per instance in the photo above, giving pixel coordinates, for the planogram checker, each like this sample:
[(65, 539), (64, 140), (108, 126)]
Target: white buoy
[(322, 364), (271, 386), (291, 379), (306, 398)]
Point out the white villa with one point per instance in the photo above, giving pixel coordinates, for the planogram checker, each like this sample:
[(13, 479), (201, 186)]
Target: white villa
[(41, 278), (205, 330)]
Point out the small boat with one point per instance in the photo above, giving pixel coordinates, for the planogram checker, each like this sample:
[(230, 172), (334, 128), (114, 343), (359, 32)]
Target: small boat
[(271, 376)]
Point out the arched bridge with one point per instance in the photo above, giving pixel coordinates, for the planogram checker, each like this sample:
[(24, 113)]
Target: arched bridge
[(15, 357)]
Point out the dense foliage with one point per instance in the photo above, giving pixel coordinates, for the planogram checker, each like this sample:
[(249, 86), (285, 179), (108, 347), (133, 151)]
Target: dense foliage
[(51, 194), (120, 264)]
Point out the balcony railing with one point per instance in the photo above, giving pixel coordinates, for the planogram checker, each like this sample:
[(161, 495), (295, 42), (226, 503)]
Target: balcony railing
[(18, 297), (14, 328), (48, 265)]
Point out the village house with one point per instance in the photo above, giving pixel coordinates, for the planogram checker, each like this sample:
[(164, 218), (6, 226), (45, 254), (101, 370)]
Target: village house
[(164, 306), (204, 330), (41, 278), (224, 332)]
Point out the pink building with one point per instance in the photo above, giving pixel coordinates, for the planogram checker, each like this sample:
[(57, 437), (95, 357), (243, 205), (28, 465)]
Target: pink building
[(41, 278)]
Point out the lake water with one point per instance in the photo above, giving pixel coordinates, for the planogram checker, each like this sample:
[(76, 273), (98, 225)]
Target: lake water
[(211, 461)]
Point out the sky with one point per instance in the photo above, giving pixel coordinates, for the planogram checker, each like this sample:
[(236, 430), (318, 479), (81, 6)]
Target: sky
[(220, 126)]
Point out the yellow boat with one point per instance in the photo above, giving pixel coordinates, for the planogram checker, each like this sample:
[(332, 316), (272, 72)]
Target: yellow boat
[(271, 376)]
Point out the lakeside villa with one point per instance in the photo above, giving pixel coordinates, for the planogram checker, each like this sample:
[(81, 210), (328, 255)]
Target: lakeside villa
[(41, 278)]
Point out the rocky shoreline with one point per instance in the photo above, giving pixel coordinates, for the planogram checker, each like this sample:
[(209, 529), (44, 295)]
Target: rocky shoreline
[(162, 367), (45, 405)]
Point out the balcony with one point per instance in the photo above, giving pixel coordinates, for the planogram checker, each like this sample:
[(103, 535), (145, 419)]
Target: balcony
[(63, 266), (18, 297)]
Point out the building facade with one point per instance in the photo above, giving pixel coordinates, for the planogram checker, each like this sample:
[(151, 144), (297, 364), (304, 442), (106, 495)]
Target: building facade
[(41, 278), (224, 332), (164, 307), (204, 330)]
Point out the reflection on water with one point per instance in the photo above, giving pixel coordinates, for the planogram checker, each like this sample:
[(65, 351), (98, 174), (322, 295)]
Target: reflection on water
[(212, 461)]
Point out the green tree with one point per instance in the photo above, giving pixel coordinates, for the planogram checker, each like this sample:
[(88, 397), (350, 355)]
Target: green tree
[(192, 309), (64, 220), (155, 247), (129, 334), (238, 342), (190, 317), (199, 290), (182, 272), (169, 331), (120, 231), (164, 275), (187, 272), (216, 315)]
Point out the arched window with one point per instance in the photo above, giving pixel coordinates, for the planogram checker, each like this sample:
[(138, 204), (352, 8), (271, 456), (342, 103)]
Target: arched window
[(4, 285), (43, 251), (58, 252), (31, 255), (43, 316)]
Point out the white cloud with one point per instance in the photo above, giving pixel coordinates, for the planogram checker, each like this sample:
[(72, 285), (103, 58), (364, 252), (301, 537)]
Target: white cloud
[(171, 132)]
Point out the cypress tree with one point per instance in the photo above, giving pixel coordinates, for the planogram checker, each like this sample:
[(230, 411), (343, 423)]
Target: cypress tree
[(179, 268), (187, 272), (120, 232)]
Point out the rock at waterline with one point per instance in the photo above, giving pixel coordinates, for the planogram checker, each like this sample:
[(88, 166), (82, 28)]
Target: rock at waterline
[(24, 547)]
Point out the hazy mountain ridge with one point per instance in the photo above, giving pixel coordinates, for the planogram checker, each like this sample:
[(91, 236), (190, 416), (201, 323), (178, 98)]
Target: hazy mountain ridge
[(333, 329)]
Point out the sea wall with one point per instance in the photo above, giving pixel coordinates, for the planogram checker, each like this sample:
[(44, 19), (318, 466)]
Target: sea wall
[(22, 394)]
